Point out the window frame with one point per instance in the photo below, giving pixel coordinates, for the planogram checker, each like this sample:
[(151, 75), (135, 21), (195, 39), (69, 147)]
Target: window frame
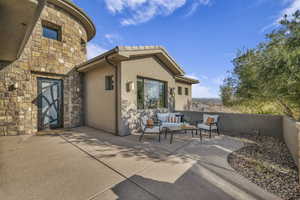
[(53, 27), (109, 82), (186, 91), (83, 45), (143, 107), (179, 90)]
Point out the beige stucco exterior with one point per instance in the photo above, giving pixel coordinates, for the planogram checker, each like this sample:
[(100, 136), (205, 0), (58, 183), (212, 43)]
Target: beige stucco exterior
[(118, 110), (183, 101), (148, 67), (100, 107)]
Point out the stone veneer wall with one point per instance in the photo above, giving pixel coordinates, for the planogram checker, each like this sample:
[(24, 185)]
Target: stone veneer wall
[(43, 57)]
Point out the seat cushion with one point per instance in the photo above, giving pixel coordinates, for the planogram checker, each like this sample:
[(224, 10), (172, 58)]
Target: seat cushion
[(206, 116), (155, 129), (163, 117), (169, 124), (206, 127)]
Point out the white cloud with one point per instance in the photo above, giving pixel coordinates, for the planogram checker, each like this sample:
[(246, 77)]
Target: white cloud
[(113, 38), (201, 90), (140, 11), (218, 80), (116, 6), (196, 5), (94, 50), (193, 76), (203, 77), (293, 6)]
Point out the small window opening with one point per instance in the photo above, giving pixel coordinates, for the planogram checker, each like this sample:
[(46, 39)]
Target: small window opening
[(51, 31), (109, 83)]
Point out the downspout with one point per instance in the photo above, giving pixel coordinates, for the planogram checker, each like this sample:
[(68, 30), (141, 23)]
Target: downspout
[(115, 66)]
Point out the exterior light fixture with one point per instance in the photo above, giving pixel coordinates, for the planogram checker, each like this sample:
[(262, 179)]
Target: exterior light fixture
[(13, 87), (130, 86), (172, 92)]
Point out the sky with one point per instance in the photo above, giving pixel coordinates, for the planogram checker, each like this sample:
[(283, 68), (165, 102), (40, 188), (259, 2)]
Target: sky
[(202, 35)]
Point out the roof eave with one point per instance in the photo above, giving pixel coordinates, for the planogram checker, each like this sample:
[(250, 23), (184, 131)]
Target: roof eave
[(186, 80), (153, 50), (17, 20), (112, 54), (79, 14)]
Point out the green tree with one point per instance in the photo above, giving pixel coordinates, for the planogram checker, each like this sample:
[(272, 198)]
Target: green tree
[(228, 92), (270, 73)]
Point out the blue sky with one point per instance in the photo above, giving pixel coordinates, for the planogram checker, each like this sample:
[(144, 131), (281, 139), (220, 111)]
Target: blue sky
[(202, 35)]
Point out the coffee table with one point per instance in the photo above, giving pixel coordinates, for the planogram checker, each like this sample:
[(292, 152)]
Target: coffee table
[(185, 128)]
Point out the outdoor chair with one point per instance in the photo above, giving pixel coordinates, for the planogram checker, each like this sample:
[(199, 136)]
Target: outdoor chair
[(152, 129), (209, 123)]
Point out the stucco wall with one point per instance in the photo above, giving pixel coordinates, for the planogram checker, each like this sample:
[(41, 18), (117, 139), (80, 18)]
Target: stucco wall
[(100, 107), (148, 67), (291, 131), (183, 102), (269, 125), (47, 58)]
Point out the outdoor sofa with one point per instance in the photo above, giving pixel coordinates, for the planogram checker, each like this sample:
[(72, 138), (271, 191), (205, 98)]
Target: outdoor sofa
[(162, 121), (168, 120)]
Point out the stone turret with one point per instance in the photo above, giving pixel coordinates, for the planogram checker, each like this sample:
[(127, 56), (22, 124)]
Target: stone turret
[(56, 46)]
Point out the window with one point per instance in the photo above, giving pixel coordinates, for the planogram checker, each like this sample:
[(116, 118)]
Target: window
[(109, 83), (179, 90), (51, 31), (186, 91), (83, 45), (151, 94)]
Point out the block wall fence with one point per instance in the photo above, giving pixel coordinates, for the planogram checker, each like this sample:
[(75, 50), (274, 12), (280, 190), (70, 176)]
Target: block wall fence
[(278, 126)]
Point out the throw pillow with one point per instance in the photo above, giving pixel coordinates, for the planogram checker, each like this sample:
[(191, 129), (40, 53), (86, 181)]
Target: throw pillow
[(171, 120), (150, 123), (209, 121)]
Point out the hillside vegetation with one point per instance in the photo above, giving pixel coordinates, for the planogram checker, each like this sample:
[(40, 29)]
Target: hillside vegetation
[(266, 79), (210, 105)]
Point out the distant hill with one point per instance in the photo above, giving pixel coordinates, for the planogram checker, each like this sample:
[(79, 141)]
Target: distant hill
[(209, 105), (208, 100)]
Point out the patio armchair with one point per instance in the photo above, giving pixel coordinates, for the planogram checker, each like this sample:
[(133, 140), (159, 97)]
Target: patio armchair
[(153, 129), (209, 126)]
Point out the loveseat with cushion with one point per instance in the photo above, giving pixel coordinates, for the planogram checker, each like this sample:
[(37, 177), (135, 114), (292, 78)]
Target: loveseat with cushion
[(168, 120)]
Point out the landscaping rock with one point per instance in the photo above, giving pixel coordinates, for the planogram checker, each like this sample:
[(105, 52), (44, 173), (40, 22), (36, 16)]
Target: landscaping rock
[(267, 162)]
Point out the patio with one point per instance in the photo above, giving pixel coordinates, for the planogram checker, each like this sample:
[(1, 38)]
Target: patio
[(97, 165)]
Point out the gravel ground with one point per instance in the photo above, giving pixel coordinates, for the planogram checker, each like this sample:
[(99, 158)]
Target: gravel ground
[(267, 162)]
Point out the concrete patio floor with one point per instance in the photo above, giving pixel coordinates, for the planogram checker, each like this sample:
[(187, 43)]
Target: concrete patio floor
[(88, 164)]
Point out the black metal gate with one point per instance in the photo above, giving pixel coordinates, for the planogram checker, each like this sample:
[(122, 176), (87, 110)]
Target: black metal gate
[(50, 103)]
